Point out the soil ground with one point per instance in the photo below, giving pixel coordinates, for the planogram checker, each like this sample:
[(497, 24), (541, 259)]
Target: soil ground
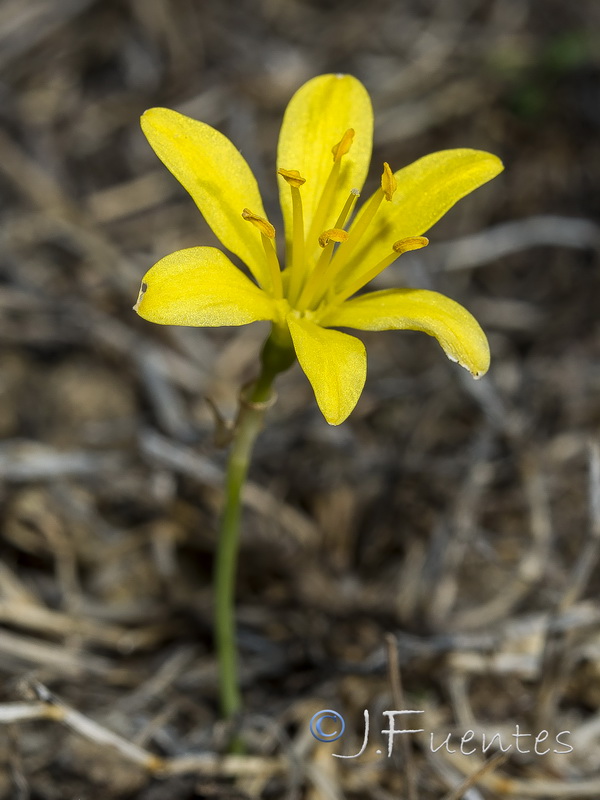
[(447, 534)]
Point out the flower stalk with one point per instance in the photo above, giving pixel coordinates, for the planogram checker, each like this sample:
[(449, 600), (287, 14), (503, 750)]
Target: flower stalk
[(255, 400)]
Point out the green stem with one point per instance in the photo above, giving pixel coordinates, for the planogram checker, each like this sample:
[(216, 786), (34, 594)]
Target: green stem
[(277, 356)]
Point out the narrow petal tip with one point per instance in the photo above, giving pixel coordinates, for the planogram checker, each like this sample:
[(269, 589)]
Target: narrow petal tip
[(472, 352), (141, 294)]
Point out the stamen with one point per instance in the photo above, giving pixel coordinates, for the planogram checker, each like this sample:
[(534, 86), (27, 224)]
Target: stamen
[(317, 278), (332, 235), (325, 286), (273, 262), (320, 218), (344, 254), (296, 258), (322, 210), (318, 281), (346, 210), (341, 148), (398, 248), (267, 234), (388, 181)]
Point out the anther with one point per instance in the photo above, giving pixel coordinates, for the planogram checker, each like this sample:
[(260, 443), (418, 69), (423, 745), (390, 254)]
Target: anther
[(332, 235), (342, 147), (388, 181), (263, 225), (410, 243), (292, 176)]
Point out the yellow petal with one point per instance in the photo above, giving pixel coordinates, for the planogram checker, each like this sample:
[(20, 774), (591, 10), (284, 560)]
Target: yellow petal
[(457, 331), (316, 120), (201, 287), (218, 178), (335, 364), (426, 190)]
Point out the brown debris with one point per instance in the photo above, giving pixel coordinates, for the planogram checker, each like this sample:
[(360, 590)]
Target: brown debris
[(438, 552)]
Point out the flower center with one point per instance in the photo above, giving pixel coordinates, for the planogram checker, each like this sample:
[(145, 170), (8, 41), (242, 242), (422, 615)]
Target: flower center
[(314, 286)]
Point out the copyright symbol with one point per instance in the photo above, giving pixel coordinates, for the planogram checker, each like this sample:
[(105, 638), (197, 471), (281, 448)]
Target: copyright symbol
[(317, 721)]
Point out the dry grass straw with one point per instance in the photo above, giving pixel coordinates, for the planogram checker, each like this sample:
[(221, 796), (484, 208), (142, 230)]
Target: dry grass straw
[(450, 531)]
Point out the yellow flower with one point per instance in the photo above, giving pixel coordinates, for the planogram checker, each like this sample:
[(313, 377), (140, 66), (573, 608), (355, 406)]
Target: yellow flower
[(323, 157)]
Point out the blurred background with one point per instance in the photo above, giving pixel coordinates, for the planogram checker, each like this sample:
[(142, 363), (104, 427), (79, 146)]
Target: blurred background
[(462, 519)]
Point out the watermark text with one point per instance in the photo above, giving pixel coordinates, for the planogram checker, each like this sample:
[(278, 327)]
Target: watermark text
[(329, 726)]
